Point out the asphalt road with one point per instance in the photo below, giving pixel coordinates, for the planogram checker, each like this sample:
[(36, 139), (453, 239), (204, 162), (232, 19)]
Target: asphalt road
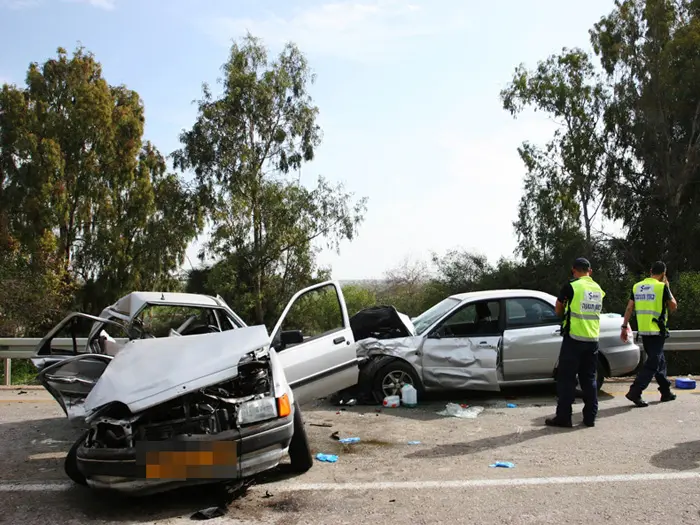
[(636, 466)]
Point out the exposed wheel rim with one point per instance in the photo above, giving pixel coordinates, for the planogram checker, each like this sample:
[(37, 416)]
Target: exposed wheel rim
[(394, 381)]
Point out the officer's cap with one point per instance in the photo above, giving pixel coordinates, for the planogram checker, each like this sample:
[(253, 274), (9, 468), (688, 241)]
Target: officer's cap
[(582, 264)]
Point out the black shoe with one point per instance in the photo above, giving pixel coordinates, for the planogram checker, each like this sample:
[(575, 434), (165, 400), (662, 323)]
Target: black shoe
[(556, 422), (668, 397), (589, 423), (637, 400)]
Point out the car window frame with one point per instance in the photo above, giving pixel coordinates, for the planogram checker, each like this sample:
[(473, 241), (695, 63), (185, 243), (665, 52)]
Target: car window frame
[(433, 333), (556, 320)]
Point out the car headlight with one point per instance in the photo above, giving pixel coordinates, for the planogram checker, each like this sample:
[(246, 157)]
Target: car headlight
[(257, 410)]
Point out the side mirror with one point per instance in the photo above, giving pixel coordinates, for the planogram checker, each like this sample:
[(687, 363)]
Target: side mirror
[(291, 337)]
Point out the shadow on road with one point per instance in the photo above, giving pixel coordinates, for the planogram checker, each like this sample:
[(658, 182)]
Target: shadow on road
[(490, 443), (433, 402), (683, 456)]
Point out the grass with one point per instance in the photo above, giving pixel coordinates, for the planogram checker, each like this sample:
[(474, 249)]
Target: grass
[(22, 371)]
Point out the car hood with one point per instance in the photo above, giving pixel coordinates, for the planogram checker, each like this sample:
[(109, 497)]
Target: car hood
[(148, 372)]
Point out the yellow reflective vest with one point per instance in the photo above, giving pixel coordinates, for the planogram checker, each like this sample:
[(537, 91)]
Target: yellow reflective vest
[(649, 306), (582, 318)]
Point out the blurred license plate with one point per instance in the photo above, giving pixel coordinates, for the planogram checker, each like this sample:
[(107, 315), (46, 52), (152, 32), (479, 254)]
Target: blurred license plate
[(258, 410)]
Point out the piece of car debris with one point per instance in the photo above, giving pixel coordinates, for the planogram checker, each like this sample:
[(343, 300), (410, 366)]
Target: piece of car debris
[(512, 405), (347, 441), (327, 458), (335, 435), (209, 513), (455, 410), (414, 442), (325, 425), (502, 464), (267, 495)]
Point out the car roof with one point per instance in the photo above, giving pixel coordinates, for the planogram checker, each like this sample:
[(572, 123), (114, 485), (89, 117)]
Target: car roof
[(130, 304), (500, 294)]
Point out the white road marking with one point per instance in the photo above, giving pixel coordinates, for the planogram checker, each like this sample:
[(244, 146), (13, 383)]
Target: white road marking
[(393, 485)]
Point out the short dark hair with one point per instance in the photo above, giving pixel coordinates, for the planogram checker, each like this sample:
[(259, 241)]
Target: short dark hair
[(582, 265), (658, 268)]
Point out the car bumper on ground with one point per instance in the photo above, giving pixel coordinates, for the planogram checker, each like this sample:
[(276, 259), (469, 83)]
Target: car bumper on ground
[(259, 448)]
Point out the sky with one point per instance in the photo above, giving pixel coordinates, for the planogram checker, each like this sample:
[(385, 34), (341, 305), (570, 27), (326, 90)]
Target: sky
[(408, 93)]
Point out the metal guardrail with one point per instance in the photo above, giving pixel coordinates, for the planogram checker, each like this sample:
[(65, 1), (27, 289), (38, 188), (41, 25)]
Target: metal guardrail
[(25, 347)]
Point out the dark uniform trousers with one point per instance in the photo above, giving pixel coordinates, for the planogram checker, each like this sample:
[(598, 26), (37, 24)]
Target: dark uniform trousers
[(654, 367), (577, 358)]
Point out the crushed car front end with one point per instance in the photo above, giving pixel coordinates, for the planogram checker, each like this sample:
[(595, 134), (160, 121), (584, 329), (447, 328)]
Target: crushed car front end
[(227, 431)]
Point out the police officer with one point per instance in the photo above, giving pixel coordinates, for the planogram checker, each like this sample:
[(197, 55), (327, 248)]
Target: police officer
[(580, 303), (651, 300)]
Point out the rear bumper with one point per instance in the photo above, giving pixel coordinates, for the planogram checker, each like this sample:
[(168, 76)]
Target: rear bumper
[(623, 359), (259, 448)]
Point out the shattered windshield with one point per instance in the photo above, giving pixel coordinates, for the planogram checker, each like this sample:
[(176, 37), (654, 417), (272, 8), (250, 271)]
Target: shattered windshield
[(427, 318)]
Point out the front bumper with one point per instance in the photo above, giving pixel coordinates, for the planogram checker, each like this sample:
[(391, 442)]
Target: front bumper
[(259, 447)]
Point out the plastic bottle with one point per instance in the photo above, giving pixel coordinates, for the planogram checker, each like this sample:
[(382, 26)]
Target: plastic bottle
[(409, 396), (392, 401)]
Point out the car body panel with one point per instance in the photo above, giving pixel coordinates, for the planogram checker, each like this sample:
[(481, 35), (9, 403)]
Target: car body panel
[(71, 380), (323, 364), (148, 372)]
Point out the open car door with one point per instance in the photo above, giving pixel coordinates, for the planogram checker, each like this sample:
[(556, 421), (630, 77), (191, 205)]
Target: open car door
[(315, 342), (50, 352), (71, 380)]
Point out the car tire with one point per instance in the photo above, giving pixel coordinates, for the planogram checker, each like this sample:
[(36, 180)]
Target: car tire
[(400, 369), (299, 450), (70, 465)]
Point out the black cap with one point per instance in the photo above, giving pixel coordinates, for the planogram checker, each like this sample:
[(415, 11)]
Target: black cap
[(582, 264)]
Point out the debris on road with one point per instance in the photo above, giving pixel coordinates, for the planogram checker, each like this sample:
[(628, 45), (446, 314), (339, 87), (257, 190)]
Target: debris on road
[(325, 425), (327, 458), (502, 464), (512, 405), (414, 442), (460, 411), (392, 401), (209, 513), (346, 441), (685, 383)]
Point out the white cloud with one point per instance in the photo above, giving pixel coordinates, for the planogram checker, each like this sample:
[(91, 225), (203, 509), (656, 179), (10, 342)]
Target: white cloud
[(367, 30)]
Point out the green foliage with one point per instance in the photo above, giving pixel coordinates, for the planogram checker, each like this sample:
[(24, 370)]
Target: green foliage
[(648, 49), (242, 149), (564, 187), (79, 191)]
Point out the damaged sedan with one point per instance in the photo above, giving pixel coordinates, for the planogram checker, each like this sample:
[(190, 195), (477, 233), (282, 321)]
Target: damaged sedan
[(175, 389), (475, 341)]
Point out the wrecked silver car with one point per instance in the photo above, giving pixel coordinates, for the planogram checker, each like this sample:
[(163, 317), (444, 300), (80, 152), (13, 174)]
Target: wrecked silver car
[(175, 398), (475, 341)]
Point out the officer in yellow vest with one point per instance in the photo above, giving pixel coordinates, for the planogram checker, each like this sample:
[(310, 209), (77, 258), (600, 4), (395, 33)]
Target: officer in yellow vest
[(651, 301), (580, 304)]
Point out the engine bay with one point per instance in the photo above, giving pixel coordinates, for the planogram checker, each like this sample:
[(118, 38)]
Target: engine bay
[(210, 410)]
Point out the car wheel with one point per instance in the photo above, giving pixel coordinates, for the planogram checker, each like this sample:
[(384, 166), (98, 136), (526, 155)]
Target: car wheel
[(299, 450), (70, 465), (391, 377)]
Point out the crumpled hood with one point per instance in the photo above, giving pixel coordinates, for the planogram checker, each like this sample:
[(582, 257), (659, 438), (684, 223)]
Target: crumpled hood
[(148, 372)]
